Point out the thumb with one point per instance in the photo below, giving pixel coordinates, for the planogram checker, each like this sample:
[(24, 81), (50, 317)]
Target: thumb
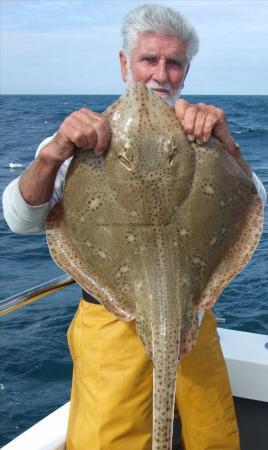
[(180, 109)]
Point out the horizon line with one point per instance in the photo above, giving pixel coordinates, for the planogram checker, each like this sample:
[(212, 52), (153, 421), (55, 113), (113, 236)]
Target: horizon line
[(94, 95)]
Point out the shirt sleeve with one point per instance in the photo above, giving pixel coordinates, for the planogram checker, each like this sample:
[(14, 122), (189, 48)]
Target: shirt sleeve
[(260, 188), (26, 219)]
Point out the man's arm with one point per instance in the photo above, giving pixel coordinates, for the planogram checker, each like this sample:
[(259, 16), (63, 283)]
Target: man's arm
[(28, 200), (84, 129), (37, 182), (22, 217)]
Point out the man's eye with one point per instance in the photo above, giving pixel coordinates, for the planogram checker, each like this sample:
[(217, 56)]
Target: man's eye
[(174, 62), (149, 59)]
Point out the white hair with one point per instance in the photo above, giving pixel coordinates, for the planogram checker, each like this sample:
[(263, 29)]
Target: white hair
[(159, 19)]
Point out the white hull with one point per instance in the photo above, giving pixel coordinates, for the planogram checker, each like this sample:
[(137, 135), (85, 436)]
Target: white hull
[(246, 356)]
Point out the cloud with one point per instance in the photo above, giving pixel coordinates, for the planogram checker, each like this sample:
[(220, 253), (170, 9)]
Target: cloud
[(59, 46)]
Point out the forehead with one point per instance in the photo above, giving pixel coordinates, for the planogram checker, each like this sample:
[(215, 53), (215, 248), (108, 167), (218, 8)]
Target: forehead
[(156, 43)]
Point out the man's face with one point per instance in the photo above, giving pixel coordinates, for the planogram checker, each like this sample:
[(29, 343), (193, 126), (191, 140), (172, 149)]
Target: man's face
[(159, 61)]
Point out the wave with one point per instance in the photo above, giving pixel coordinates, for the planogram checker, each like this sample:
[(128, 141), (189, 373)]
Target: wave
[(12, 165), (246, 130)]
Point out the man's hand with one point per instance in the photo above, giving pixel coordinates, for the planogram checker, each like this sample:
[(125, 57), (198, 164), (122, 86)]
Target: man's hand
[(85, 129), (201, 121)]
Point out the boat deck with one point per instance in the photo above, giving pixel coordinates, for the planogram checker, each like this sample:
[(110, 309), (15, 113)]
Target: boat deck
[(252, 417)]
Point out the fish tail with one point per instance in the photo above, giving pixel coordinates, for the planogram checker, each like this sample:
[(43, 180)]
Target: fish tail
[(164, 384)]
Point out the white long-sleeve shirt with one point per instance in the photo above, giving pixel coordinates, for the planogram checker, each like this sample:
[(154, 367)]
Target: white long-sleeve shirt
[(25, 219)]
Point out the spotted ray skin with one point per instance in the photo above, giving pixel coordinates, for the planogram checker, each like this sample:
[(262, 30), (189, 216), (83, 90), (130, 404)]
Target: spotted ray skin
[(155, 229)]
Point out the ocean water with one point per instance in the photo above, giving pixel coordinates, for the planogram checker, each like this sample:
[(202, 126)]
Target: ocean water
[(35, 365)]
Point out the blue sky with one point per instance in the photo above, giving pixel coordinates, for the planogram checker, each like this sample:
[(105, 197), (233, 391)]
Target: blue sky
[(71, 46)]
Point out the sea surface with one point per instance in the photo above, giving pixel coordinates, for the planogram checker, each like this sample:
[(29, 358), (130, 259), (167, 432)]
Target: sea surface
[(35, 365)]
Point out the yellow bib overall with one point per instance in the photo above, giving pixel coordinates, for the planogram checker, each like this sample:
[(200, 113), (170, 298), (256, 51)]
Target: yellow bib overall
[(111, 398)]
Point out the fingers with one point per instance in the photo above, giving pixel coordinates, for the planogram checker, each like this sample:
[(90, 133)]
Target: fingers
[(200, 121), (87, 130), (73, 130), (180, 109), (97, 126), (209, 126)]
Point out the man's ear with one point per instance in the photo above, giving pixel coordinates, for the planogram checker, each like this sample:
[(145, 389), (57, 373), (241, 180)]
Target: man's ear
[(123, 63)]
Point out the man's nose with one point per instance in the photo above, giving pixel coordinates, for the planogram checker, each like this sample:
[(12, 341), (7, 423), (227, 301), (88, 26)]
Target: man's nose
[(160, 72)]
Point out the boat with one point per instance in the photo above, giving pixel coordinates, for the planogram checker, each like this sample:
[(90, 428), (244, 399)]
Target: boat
[(246, 356)]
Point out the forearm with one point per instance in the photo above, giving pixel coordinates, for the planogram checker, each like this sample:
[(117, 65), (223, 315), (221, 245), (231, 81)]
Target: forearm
[(37, 182), (28, 200), (27, 213), (234, 150)]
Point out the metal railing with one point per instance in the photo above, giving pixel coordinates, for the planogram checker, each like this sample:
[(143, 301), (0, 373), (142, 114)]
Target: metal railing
[(35, 293), (41, 290)]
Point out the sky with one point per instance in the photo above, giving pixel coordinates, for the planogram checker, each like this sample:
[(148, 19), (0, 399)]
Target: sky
[(72, 46)]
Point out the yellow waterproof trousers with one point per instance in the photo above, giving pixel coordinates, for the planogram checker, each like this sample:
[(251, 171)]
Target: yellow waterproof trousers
[(111, 398)]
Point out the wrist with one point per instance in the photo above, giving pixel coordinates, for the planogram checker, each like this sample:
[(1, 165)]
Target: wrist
[(235, 150), (49, 156), (232, 147)]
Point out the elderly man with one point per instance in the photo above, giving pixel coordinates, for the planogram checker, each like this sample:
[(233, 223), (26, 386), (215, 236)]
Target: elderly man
[(111, 399)]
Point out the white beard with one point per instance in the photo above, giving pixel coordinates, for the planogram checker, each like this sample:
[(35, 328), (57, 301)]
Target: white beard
[(169, 97)]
